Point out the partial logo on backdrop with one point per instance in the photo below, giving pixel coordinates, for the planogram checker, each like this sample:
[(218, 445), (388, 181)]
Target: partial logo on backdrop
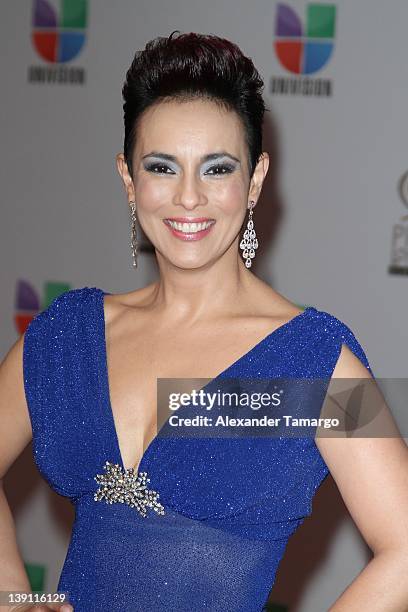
[(58, 35), (304, 49), (36, 573), (399, 241), (29, 302)]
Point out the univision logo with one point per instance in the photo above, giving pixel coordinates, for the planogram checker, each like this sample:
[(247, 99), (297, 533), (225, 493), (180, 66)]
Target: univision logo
[(58, 35), (304, 49), (29, 303)]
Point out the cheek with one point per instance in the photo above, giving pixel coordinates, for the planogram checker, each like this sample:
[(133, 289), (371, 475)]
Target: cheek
[(150, 194), (231, 198)]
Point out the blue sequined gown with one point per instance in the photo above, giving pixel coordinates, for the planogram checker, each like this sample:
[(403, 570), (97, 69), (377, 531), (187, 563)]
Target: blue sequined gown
[(230, 504)]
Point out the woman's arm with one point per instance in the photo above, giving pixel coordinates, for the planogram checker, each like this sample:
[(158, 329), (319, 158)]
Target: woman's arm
[(372, 476), (15, 434), (13, 576)]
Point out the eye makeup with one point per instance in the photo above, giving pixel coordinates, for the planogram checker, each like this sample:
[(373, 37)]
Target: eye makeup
[(215, 170), (162, 167)]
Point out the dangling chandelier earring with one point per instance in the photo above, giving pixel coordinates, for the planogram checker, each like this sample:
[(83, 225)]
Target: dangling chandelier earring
[(133, 240), (249, 241)]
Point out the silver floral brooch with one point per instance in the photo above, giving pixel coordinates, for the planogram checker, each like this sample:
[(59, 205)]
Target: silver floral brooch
[(127, 487)]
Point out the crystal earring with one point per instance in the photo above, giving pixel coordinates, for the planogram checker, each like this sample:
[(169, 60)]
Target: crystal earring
[(133, 240), (249, 241)]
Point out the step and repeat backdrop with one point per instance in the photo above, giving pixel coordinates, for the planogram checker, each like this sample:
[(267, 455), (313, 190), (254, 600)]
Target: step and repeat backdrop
[(332, 222)]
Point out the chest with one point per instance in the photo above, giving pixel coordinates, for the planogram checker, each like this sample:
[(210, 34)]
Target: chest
[(136, 360)]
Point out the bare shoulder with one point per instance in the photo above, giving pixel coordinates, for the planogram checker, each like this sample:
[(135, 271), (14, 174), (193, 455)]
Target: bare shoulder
[(349, 365), (270, 302), (116, 304)]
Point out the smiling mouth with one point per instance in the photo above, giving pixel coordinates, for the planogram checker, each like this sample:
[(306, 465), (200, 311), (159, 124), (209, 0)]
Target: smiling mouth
[(190, 227)]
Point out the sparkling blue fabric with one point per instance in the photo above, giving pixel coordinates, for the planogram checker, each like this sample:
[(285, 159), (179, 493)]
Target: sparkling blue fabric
[(231, 503)]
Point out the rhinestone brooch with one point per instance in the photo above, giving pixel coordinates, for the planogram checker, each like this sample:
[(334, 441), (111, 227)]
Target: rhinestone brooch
[(127, 487)]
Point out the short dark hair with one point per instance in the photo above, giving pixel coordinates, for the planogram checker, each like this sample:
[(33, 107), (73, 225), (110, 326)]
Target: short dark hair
[(192, 66)]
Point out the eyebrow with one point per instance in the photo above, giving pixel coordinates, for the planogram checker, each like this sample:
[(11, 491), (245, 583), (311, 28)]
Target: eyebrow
[(204, 158)]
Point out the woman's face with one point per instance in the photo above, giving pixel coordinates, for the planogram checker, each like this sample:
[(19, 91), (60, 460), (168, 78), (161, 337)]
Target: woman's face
[(190, 166)]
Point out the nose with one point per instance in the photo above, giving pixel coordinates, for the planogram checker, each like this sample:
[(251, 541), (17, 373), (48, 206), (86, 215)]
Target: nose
[(190, 192)]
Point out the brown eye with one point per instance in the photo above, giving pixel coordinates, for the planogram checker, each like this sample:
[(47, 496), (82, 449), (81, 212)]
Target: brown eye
[(221, 169), (153, 167)]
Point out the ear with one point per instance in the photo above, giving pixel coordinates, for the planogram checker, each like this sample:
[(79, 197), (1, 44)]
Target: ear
[(258, 177), (125, 175)]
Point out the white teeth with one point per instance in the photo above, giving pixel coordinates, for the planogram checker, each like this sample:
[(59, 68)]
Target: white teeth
[(190, 228)]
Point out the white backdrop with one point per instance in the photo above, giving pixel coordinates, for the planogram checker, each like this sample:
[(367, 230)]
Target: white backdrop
[(65, 216)]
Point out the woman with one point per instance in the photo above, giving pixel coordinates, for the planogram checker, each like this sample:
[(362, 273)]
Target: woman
[(212, 524)]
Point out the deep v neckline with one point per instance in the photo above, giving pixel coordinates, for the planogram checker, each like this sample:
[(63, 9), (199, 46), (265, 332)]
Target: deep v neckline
[(103, 374)]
